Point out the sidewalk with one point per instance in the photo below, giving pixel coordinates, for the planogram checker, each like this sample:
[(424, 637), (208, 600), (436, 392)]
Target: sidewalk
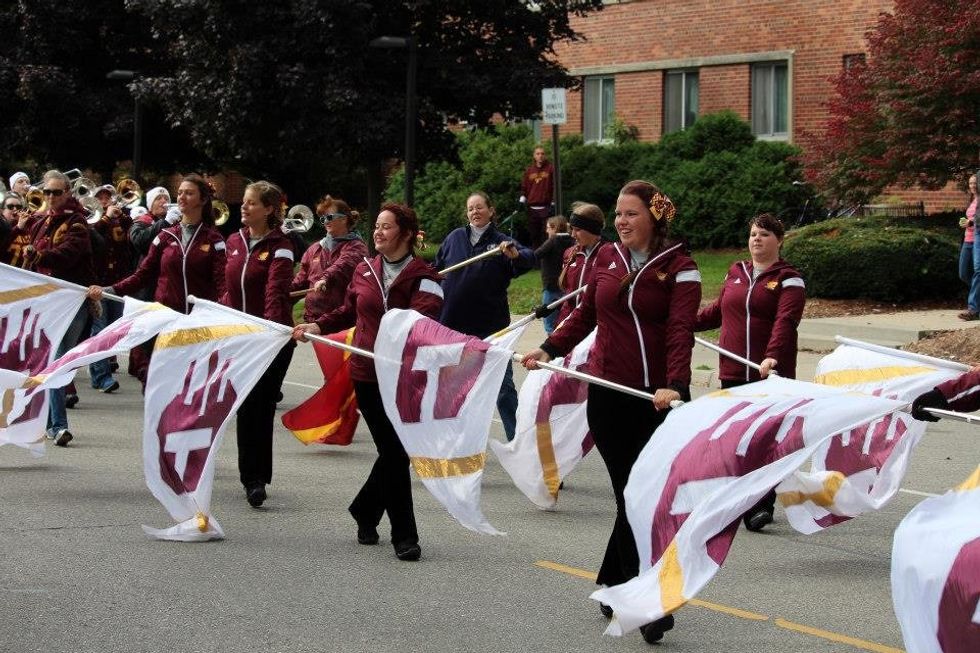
[(816, 338)]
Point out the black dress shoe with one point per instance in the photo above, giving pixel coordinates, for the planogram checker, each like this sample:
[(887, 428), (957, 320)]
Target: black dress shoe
[(654, 631), (758, 519), (408, 550), (255, 495), (367, 534), (606, 610)]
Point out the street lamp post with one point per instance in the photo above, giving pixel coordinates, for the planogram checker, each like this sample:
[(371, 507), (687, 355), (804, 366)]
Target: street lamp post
[(129, 76), (411, 107)]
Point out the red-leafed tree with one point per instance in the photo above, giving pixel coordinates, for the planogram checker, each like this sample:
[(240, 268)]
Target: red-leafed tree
[(910, 114)]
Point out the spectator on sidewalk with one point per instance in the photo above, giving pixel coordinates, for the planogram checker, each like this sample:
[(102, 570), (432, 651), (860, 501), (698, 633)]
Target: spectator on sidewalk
[(550, 257), (537, 194), (969, 265)]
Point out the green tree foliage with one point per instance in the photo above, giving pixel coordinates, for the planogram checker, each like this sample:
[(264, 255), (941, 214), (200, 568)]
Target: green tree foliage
[(716, 172), (870, 257), (291, 90), (909, 115), (59, 110)]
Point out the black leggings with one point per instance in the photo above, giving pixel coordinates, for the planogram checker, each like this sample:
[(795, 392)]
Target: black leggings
[(388, 488), (621, 425), (255, 421)]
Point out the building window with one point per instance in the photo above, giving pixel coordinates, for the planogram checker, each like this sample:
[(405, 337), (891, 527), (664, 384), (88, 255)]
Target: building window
[(680, 99), (599, 105), (770, 99), (851, 60)]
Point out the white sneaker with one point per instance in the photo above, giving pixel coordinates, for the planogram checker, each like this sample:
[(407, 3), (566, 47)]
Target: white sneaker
[(64, 437)]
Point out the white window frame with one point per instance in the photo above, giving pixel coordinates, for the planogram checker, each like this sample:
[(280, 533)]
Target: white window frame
[(685, 75), (605, 114)]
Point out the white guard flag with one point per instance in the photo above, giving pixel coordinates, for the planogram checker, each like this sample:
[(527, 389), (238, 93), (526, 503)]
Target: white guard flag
[(710, 461), (203, 367), (861, 470), (552, 430), (35, 312), (936, 572), (439, 388)]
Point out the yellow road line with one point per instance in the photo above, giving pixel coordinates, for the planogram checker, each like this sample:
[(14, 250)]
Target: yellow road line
[(745, 614), (836, 637)]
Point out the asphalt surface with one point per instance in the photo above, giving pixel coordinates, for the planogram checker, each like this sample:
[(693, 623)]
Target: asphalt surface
[(78, 574)]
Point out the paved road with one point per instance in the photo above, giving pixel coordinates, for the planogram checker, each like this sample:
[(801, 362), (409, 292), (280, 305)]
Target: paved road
[(77, 573)]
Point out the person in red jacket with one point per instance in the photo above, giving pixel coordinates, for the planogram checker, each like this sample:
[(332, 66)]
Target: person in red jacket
[(537, 191), (187, 258), (961, 394), (578, 261), (19, 222), (644, 300), (758, 309), (258, 274), (61, 247), (328, 265), (395, 278)]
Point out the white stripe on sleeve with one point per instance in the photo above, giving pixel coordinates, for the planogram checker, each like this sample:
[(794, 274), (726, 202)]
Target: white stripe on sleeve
[(284, 253), (796, 282), (219, 246), (688, 275), (430, 286)]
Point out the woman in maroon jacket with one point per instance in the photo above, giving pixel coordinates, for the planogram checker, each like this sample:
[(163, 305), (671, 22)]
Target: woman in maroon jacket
[(587, 223), (257, 274), (644, 299), (395, 278), (758, 309), (328, 265)]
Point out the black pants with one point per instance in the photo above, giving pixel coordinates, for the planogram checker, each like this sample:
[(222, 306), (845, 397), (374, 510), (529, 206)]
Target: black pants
[(621, 425), (389, 487), (768, 501), (536, 221), (255, 421)]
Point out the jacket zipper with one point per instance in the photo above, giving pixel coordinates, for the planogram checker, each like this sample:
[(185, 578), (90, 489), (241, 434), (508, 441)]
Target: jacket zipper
[(748, 317), (183, 261)]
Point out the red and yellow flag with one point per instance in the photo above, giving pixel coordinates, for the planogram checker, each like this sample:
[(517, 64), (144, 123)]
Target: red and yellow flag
[(330, 415)]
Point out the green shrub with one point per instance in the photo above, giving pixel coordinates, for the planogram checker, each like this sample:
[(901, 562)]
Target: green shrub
[(875, 258)]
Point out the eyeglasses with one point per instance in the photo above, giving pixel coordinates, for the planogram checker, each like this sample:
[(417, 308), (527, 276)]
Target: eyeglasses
[(57, 192), (13, 207), (327, 217)]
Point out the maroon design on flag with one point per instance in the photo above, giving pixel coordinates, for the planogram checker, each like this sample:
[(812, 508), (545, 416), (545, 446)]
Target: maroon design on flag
[(957, 632), (561, 390), (459, 368), (34, 356), (850, 458), (185, 434), (104, 341), (711, 455)]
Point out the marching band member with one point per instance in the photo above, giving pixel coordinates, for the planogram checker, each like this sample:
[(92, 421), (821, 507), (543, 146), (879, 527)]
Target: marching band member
[(550, 257), (578, 265), (395, 278), (476, 295), (644, 299), (758, 309), (258, 273), (187, 258), (328, 265), (960, 394), (20, 183), (61, 247), (18, 223)]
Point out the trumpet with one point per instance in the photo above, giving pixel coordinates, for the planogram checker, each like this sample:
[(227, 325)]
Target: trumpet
[(299, 218), (35, 200), (220, 211)]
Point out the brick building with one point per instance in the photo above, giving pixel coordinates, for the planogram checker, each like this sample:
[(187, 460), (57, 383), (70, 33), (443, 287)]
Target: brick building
[(658, 64)]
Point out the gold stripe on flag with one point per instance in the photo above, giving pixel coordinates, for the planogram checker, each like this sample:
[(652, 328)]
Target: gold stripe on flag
[(671, 580), (971, 483), (546, 454), (185, 337), (448, 467), (871, 374), (824, 498), (11, 296)]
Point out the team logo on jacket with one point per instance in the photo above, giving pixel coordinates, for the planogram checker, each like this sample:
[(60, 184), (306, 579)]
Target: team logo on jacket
[(263, 256), (206, 247), (772, 285), (662, 276)]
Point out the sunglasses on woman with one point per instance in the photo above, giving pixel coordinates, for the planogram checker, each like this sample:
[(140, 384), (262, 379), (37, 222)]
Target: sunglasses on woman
[(13, 207)]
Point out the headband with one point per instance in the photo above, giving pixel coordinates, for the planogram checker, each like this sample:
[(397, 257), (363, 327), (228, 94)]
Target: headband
[(580, 222)]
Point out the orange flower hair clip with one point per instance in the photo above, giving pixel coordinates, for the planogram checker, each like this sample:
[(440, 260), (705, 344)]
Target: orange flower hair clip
[(662, 207)]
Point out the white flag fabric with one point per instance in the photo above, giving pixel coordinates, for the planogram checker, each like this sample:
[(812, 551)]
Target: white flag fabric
[(203, 366), (861, 470), (35, 312), (552, 433), (439, 388), (710, 461), (936, 572)]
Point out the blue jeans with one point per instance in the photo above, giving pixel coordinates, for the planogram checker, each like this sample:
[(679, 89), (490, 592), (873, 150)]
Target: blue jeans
[(548, 296), (507, 402), (973, 300), (100, 371), (57, 415)]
